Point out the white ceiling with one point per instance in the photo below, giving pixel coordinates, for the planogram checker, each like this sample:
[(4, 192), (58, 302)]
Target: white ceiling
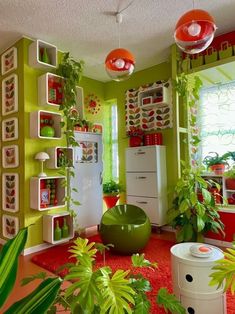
[(88, 28)]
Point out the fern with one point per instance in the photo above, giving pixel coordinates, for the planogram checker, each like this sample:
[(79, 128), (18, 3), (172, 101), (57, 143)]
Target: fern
[(169, 302)]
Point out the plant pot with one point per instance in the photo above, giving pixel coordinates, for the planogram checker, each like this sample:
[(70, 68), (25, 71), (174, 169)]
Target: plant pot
[(218, 168), (111, 200), (135, 141), (230, 184)]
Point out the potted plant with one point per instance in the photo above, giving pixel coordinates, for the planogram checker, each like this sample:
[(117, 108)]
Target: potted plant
[(230, 178), (216, 163), (111, 191), (192, 217), (136, 136)]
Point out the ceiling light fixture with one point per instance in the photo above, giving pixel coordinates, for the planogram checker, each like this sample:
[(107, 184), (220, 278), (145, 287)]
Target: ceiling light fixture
[(119, 63), (194, 31)]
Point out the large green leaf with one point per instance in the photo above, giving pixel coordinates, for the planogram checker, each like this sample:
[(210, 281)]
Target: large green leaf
[(9, 263), (140, 261), (142, 304), (169, 302), (39, 300), (116, 291)]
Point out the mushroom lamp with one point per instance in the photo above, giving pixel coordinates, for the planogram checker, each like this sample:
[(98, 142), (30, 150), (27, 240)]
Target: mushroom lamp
[(119, 64), (41, 157), (194, 31)]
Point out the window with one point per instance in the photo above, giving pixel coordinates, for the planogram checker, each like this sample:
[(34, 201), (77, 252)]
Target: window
[(114, 142), (216, 119)]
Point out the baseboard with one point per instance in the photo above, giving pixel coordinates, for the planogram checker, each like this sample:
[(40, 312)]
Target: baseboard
[(37, 248), (218, 242), (168, 228)]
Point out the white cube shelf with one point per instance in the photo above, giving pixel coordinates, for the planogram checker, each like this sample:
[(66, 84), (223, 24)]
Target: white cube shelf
[(56, 153), (50, 90), (34, 55), (36, 125), (49, 224), (154, 97), (80, 101), (41, 191)]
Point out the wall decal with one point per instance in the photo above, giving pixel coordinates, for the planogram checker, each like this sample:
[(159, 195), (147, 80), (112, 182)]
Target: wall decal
[(10, 156), (92, 103), (10, 226), (10, 192), (10, 129), (10, 95), (9, 60)]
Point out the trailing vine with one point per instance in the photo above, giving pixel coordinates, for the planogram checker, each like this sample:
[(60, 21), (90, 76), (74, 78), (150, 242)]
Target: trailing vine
[(188, 88), (71, 71)]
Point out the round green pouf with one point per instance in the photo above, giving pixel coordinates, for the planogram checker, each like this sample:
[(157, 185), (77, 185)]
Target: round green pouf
[(127, 227)]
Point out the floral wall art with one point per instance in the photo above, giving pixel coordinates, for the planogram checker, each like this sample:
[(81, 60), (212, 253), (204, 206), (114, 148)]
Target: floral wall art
[(10, 95), (9, 60), (10, 156), (10, 192), (10, 129), (149, 107)]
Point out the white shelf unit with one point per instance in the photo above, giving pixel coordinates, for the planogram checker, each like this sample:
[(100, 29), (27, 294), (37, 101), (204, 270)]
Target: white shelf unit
[(146, 181), (34, 55), (50, 90), (54, 153), (80, 102), (49, 223), (35, 123), (36, 187), (154, 97)]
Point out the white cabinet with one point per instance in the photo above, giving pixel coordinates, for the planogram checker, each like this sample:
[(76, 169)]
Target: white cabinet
[(146, 183)]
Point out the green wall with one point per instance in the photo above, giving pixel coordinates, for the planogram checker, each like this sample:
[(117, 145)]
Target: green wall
[(116, 90)]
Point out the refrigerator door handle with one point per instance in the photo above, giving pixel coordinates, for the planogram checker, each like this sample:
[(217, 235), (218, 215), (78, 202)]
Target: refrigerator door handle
[(101, 178)]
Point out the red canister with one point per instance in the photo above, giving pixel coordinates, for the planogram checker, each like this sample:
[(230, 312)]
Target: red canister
[(148, 139), (157, 138)]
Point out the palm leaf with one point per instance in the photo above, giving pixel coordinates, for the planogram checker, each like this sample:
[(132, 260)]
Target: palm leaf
[(9, 263), (116, 292), (169, 302), (39, 300)]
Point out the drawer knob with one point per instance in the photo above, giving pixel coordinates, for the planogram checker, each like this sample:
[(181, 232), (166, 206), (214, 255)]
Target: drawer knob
[(142, 202), (141, 177), (140, 153)]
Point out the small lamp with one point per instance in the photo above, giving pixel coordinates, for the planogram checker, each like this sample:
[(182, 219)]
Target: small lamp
[(194, 31), (42, 156)]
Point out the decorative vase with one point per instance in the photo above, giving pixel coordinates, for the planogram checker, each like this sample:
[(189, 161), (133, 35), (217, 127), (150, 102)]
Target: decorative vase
[(45, 57), (57, 232), (135, 141), (65, 229), (111, 200)]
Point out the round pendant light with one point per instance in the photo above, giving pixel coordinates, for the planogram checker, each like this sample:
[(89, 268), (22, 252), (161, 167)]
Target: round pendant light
[(119, 64), (194, 31)]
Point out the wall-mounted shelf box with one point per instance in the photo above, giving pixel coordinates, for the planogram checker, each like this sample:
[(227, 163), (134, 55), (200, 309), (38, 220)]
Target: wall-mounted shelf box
[(80, 102), (49, 185), (34, 55), (36, 124), (50, 90), (49, 223), (154, 97), (56, 156)]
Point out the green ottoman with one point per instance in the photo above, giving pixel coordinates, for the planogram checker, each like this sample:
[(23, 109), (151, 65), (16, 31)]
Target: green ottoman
[(127, 227)]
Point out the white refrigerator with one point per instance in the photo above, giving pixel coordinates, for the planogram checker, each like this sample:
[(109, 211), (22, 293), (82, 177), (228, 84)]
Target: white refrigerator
[(88, 167)]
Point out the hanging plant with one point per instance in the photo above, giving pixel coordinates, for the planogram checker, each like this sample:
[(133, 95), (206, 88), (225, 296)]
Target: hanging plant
[(92, 103), (71, 71)]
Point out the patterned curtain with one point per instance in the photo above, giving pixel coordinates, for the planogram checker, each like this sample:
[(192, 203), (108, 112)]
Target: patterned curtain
[(216, 119)]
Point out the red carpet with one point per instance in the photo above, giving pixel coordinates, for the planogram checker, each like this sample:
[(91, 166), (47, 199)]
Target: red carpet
[(156, 251)]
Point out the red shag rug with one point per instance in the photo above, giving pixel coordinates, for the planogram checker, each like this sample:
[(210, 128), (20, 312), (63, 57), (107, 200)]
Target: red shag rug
[(156, 251)]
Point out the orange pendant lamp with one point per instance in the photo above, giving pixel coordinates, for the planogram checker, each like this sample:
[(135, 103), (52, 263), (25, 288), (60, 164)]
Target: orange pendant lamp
[(194, 31), (119, 63)]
